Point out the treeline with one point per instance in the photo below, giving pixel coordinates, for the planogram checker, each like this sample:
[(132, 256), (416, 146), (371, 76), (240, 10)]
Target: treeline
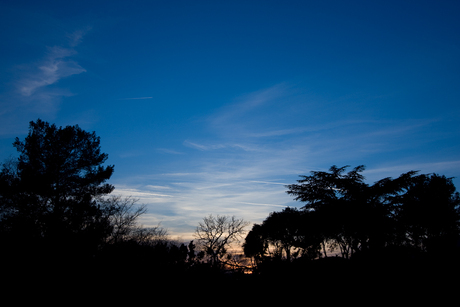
[(57, 213), (407, 220)]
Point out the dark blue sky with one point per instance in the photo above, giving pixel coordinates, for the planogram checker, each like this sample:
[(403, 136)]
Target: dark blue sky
[(212, 106)]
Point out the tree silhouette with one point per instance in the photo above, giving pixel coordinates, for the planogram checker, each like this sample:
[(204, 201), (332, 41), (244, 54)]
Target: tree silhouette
[(285, 233), (354, 216), (283, 230), (49, 198), (191, 252), (339, 201), (122, 214), (430, 213), (217, 234), (410, 210), (255, 244)]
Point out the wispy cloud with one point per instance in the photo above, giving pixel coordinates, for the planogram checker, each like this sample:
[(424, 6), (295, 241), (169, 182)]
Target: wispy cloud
[(261, 143), (34, 91), (57, 65), (76, 37), (280, 132), (203, 147), (249, 186), (187, 198), (217, 146), (169, 151), (248, 110)]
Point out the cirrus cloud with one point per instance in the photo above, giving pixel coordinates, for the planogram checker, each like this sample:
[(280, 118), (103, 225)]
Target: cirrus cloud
[(35, 93)]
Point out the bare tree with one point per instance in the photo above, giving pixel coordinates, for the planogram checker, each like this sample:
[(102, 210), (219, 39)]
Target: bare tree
[(122, 213), (217, 234), (150, 235)]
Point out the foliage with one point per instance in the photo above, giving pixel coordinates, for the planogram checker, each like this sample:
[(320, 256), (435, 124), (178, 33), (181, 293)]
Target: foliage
[(344, 213), (429, 212), (255, 245), (286, 233), (48, 194), (355, 216)]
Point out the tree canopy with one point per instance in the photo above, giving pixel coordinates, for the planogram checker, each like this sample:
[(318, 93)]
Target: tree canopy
[(48, 196), (343, 213)]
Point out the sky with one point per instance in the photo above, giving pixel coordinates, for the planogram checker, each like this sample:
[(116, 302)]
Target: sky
[(212, 107)]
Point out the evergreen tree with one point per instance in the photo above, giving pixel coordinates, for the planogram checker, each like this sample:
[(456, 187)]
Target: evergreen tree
[(48, 196)]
